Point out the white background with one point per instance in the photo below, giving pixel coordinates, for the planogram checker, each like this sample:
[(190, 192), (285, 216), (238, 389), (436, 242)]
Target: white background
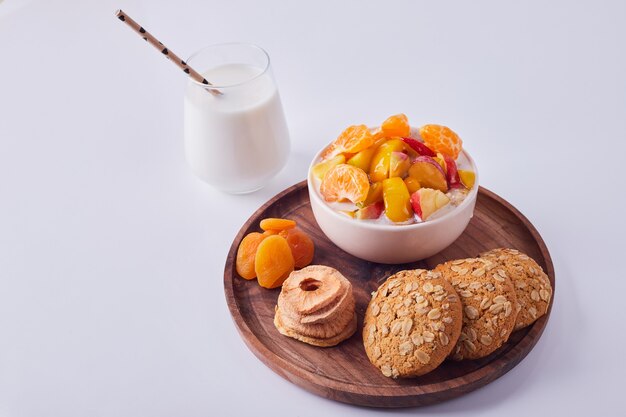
[(112, 252)]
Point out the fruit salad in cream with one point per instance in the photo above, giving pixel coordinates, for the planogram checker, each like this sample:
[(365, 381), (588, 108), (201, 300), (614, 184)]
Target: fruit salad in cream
[(394, 174)]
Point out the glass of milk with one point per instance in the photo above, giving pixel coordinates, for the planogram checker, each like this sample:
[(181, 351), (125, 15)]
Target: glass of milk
[(236, 141)]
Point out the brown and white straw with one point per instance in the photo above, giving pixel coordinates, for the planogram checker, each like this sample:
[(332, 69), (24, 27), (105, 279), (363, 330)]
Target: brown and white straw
[(147, 36)]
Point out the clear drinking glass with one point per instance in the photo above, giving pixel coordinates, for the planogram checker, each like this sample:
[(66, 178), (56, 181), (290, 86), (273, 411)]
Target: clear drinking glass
[(236, 141)]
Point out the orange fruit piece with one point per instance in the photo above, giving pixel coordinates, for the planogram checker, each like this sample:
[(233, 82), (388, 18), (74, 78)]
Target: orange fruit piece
[(302, 247), (277, 224), (379, 166), (245, 255), (379, 135), (412, 184), (468, 178), (273, 261), (320, 169), (374, 195), (396, 125), (352, 140), (441, 139), (397, 200), (345, 182)]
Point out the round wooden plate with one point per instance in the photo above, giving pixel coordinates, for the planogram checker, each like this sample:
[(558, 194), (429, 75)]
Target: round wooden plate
[(343, 373)]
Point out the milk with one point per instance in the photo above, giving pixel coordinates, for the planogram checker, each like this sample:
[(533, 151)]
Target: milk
[(239, 140)]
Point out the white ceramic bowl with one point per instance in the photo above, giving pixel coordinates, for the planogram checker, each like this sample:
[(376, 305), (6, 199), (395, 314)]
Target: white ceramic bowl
[(391, 244)]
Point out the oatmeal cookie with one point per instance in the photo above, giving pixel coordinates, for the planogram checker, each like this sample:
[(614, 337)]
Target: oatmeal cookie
[(489, 305), (532, 285), (412, 323)]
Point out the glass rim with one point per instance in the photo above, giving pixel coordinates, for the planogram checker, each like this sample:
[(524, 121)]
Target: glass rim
[(251, 45)]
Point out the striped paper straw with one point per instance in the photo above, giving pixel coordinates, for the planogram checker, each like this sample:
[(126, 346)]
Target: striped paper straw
[(147, 36)]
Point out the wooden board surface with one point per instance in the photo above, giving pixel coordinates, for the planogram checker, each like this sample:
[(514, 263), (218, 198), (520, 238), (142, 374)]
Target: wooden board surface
[(343, 373)]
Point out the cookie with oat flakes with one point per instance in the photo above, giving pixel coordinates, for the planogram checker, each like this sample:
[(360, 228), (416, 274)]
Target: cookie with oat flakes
[(411, 323), (532, 285), (489, 306)]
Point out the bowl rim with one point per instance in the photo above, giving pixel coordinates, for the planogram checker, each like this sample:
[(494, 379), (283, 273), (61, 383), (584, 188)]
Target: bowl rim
[(314, 194)]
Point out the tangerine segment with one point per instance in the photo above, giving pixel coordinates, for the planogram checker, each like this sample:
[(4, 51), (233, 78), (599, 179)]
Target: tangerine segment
[(441, 139), (396, 125), (246, 253), (352, 140), (345, 182), (277, 224), (379, 135), (302, 247), (273, 261)]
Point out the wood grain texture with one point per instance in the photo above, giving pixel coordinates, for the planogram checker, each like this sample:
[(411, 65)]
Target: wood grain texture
[(343, 373)]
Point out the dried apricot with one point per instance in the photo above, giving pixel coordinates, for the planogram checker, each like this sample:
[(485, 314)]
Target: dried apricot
[(273, 261), (277, 224), (396, 125), (302, 247), (246, 253), (352, 140), (345, 182), (441, 139)]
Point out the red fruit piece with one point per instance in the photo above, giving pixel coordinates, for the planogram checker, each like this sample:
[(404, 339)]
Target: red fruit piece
[(373, 211), (452, 173), (429, 173), (426, 201), (419, 147), (415, 203)]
